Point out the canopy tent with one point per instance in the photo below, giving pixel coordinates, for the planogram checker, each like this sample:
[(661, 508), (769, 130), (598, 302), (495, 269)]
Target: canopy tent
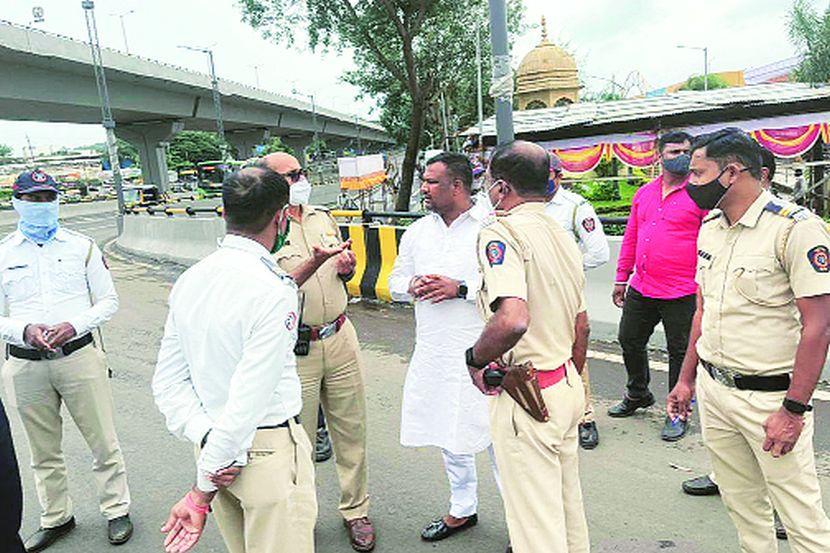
[(786, 118)]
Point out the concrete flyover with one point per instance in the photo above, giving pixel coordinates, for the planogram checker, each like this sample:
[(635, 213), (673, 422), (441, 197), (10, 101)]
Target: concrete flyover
[(47, 77)]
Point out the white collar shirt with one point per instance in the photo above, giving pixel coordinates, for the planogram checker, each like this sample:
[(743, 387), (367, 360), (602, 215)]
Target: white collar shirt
[(441, 407), (226, 363), (63, 280), (576, 215)]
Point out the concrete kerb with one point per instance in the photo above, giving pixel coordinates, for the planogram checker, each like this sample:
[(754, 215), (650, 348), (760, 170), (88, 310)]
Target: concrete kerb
[(182, 240)]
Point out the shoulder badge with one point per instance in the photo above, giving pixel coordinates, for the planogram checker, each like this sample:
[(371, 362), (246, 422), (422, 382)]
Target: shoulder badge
[(819, 258), (788, 210), (589, 224), (495, 252)]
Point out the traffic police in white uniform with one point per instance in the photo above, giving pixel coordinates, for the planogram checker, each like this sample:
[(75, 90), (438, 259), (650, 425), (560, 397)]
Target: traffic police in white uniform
[(56, 290)]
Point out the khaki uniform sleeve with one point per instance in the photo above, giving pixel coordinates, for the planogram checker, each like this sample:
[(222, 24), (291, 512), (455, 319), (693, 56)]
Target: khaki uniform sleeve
[(502, 266), (807, 258)]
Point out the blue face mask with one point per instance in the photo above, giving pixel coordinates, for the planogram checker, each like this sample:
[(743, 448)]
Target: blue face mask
[(38, 220)]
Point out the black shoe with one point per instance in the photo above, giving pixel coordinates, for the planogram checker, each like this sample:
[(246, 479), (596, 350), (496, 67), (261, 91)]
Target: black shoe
[(588, 435), (702, 485), (119, 530), (438, 530), (509, 549), (673, 430), (322, 446), (45, 537), (780, 532), (628, 406)]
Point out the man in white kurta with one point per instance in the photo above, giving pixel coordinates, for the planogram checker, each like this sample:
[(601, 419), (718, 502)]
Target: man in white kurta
[(437, 268)]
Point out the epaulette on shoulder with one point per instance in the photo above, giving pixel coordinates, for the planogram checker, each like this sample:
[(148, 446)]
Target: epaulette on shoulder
[(788, 210), (713, 215), (322, 208), (271, 266), (7, 238), (76, 234)]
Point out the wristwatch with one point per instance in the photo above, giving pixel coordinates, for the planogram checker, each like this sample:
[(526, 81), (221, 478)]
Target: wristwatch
[(468, 356), (796, 407), (462, 289)]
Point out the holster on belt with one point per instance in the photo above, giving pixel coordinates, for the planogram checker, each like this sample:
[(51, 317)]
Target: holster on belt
[(521, 383)]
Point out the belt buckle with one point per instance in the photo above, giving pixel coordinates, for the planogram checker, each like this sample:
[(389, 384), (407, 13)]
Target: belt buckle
[(52, 355), (328, 330), (722, 377)]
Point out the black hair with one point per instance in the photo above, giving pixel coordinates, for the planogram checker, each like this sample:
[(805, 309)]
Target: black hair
[(731, 145), (673, 137), (251, 197), (767, 160), (458, 167), (526, 171)]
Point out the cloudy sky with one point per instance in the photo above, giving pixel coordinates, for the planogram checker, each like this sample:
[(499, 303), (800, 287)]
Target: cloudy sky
[(609, 39)]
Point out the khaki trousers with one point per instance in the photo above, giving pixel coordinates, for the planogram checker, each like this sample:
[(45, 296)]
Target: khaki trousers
[(539, 470), (80, 380), (271, 507), (749, 477), (331, 373), (588, 415)]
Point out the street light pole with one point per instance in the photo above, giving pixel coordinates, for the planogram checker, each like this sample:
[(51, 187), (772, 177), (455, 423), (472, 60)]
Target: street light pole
[(106, 112), (479, 98), (256, 74), (121, 16), (313, 116), (502, 78), (705, 50), (217, 98)]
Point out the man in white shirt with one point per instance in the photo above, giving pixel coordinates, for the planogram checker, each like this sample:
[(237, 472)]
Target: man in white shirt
[(226, 380), (437, 267), (56, 290), (576, 215)]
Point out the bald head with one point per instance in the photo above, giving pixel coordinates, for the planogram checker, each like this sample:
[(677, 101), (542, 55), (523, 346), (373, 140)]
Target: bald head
[(281, 162), (523, 165)]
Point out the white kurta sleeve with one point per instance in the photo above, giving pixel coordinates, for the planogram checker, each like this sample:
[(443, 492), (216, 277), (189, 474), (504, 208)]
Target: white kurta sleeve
[(404, 268)]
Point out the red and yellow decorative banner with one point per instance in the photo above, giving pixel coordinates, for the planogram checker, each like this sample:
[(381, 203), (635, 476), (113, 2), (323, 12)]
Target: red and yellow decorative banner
[(581, 160), (825, 132), (363, 182), (790, 142), (639, 154), (362, 172)]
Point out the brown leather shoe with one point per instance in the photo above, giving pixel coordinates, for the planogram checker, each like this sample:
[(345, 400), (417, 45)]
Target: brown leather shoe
[(361, 533)]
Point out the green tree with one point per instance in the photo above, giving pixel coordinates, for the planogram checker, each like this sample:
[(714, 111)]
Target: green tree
[(277, 145), (698, 82), (810, 33), (406, 54), (191, 147), (5, 150), (125, 151)]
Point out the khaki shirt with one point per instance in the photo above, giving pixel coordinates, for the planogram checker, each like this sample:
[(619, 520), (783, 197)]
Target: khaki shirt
[(750, 274), (525, 254), (325, 292)]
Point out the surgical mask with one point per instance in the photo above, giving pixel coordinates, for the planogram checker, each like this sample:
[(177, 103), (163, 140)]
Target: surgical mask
[(38, 220), (299, 192), (709, 195), (678, 165), (282, 236)]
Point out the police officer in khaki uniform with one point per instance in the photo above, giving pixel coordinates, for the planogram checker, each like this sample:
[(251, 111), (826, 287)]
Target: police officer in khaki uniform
[(533, 299), (761, 335), (331, 373)]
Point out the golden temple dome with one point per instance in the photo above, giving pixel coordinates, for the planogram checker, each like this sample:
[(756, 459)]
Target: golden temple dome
[(547, 76)]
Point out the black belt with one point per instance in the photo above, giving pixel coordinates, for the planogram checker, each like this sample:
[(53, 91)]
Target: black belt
[(39, 355), (283, 424), (732, 379)]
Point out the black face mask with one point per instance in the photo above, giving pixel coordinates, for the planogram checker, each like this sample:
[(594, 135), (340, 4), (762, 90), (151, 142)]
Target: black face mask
[(709, 195)]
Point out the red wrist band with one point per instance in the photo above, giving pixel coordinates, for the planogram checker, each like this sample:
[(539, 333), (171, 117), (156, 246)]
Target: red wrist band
[(204, 509)]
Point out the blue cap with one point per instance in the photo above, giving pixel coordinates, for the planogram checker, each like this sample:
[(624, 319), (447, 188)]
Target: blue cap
[(34, 181)]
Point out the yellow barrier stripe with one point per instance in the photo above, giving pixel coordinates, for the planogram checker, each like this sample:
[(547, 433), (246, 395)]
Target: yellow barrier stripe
[(346, 213), (388, 253), (359, 249), (175, 210)]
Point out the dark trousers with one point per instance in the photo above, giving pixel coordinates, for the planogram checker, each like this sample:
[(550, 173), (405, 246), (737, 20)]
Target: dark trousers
[(639, 317), (11, 494)]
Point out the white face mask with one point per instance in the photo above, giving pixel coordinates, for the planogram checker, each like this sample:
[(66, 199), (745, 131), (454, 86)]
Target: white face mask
[(299, 192)]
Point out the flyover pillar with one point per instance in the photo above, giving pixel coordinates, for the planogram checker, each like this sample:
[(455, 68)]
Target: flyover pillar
[(298, 144), (245, 141), (150, 140)]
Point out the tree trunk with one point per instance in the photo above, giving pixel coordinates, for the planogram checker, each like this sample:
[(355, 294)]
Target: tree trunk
[(416, 124)]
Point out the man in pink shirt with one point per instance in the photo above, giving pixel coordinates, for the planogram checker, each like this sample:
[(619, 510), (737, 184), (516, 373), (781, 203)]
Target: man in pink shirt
[(660, 248)]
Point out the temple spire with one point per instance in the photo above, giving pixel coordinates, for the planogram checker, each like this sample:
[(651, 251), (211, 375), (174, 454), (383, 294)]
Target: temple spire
[(544, 29)]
